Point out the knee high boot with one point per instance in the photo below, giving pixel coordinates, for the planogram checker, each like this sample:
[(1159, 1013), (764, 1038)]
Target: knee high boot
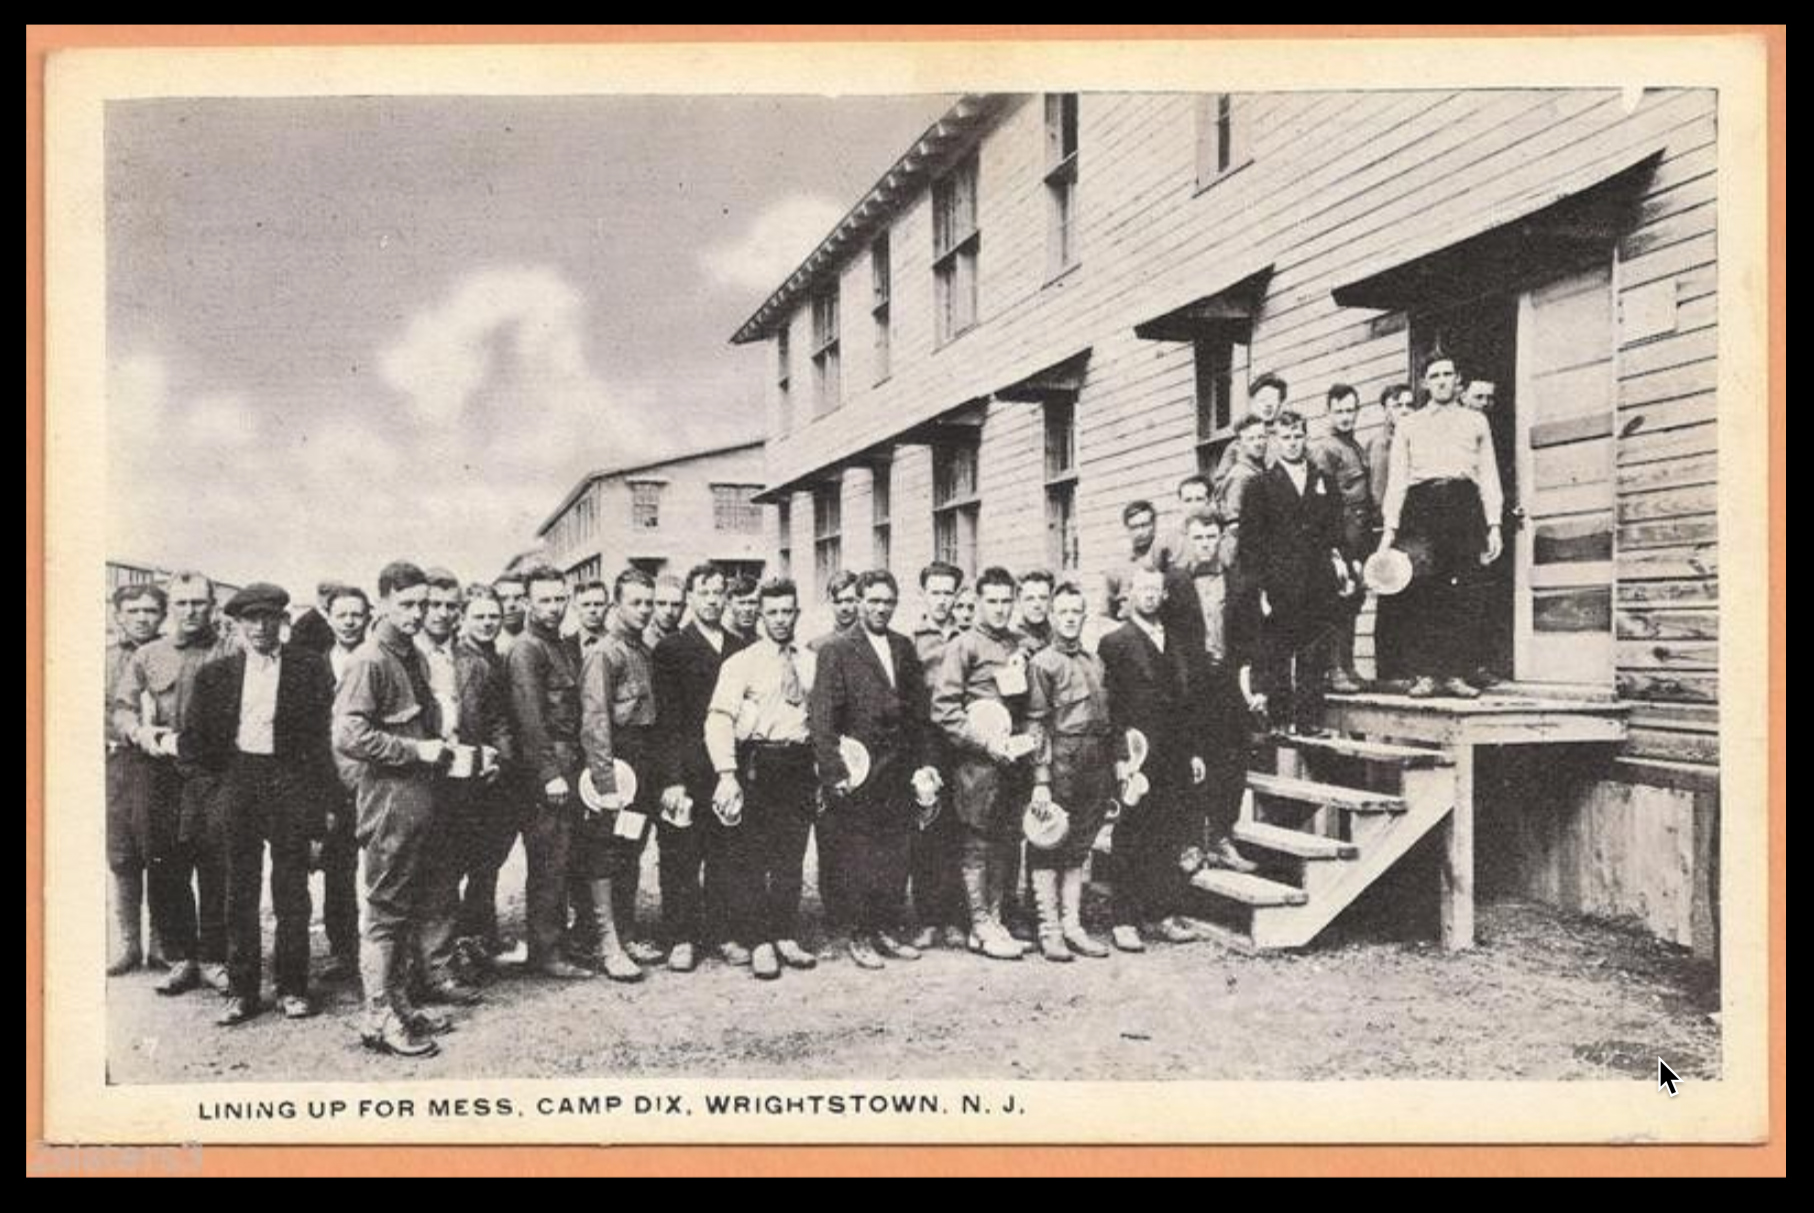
[(1070, 898), (1051, 928), (128, 904), (986, 934)]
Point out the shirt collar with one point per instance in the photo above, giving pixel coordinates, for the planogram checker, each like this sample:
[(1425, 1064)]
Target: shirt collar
[(551, 634), (1155, 628), (392, 638), (201, 640), (1070, 648), (999, 635)]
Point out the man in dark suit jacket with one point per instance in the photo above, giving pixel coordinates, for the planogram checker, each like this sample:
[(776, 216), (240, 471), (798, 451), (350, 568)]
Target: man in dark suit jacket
[(1150, 673), (311, 629), (869, 687), (262, 720), (686, 672), (1293, 535)]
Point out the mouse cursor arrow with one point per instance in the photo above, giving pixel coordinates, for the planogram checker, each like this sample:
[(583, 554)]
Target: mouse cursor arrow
[(1666, 1077)]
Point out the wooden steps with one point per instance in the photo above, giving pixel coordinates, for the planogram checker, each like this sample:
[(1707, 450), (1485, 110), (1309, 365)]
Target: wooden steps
[(1298, 844), (1319, 840), (1324, 795), (1248, 890), (1402, 756)]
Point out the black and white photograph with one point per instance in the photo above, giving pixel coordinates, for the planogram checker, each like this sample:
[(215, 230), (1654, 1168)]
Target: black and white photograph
[(939, 590)]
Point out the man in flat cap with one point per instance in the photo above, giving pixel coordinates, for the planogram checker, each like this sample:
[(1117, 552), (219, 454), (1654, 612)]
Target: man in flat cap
[(261, 723)]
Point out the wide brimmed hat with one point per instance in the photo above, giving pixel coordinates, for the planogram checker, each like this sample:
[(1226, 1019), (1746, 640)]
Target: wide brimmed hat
[(625, 778), (1045, 830), (1387, 572), (856, 760), (990, 720)]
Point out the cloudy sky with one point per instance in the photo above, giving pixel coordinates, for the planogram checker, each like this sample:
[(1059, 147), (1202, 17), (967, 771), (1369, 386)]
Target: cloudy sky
[(344, 330)]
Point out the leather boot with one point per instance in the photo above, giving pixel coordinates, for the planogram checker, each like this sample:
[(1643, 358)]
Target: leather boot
[(1051, 929), (986, 935), (1070, 902), (128, 896), (1001, 865)]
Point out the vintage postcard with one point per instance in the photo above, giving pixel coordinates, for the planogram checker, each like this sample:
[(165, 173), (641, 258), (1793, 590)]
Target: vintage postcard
[(1135, 591)]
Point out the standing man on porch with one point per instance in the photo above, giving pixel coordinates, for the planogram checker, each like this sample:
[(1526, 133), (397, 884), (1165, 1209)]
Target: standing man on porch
[(1442, 488), (1341, 458)]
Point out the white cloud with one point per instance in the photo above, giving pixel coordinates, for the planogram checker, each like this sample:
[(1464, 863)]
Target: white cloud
[(774, 245)]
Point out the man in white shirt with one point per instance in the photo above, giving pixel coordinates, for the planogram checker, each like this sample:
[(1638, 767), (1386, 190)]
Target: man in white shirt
[(261, 720), (760, 742), (1443, 497)]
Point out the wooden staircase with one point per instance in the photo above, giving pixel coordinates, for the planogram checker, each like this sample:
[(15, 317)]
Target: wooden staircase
[(1333, 818)]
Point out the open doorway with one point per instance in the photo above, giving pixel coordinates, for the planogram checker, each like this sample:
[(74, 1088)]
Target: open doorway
[(1481, 335)]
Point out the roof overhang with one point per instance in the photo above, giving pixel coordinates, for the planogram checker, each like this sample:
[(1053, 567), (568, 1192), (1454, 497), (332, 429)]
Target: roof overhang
[(1235, 304), (1558, 221)]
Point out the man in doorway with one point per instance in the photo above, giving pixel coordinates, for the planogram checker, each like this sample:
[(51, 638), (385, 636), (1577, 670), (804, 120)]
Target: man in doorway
[(1340, 457), (1443, 492)]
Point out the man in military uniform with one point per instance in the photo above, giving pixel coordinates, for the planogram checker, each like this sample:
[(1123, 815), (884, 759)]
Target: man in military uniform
[(545, 716), (349, 616), (1342, 459), (151, 706), (495, 828), (933, 860), (387, 742), (138, 613), (990, 777), (617, 723), (1068, 716)]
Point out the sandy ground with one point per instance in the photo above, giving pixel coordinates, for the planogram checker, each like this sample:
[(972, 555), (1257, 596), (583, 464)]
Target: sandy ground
[(1543, 996)]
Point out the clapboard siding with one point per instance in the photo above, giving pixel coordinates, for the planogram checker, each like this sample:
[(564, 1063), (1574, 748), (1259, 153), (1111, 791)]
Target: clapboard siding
[(1334, 187)]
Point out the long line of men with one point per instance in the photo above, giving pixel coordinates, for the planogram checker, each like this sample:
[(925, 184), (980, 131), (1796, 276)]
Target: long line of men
[(428, 730)]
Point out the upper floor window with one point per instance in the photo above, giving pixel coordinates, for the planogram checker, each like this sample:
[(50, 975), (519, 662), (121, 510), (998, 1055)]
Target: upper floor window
[(645, 504), (1222, 144), (734, 508), (881, 275), (1061, 182), (827, 385), (955, 242)]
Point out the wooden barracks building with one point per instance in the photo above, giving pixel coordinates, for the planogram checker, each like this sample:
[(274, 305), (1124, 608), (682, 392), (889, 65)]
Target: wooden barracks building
[(1051, 305)]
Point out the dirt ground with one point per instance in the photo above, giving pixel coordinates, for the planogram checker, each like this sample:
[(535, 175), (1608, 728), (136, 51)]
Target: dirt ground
[(1543, 996)]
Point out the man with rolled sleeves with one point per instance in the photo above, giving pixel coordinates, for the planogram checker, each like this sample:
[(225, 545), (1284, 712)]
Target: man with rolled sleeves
[(617, 723), (991, 777), (495, 827), (869, 687), (686, 669), (1068, 716), (261, 723), (138, 613), (935, 844), (545, 717), (151, 707), (766, 797), (1148, 674), (1443, 493), (1343, 460), (387, 742), (349, 615)]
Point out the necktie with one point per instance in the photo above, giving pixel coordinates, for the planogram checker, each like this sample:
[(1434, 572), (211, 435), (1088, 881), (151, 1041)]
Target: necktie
[(791, 690)]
